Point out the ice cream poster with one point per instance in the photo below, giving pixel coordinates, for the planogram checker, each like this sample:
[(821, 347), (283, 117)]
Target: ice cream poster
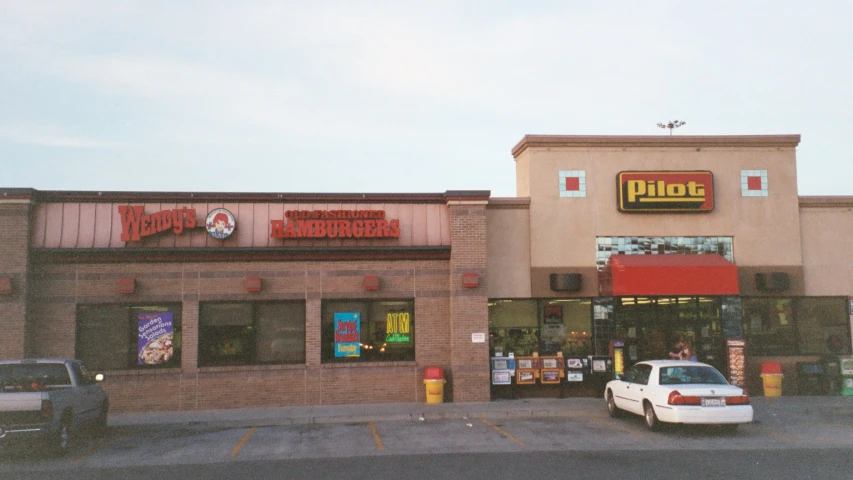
[(155, 338), (347, 332)]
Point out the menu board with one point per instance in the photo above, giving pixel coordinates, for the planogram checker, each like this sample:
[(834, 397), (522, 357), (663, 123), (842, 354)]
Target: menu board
[(737, 362)]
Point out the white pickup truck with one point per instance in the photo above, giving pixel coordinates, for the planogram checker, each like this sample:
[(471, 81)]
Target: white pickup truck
[(48, 399)]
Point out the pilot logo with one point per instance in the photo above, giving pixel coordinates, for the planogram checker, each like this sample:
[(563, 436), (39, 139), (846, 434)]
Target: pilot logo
[(690, 192)]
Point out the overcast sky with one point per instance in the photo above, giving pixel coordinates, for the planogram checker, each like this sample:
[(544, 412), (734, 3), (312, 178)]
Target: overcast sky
[(397, 96)]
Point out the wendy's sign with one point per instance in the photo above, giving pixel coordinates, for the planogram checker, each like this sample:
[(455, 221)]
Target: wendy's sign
[(665, 191), (335, 224), (135, 224)]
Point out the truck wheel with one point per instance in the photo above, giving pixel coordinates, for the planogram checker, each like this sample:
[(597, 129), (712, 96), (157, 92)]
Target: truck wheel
[(100, 426), (61, 442)]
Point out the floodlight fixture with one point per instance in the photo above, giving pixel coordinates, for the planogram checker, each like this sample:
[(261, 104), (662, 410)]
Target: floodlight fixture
[(671, 125)]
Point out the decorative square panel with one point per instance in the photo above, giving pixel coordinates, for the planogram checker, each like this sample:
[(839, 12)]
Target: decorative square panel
[(572, 183), (753, 183)]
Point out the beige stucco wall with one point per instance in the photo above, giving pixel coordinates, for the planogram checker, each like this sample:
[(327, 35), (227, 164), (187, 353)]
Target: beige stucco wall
[(563, 230), (508, 234), (827, 226), (522, 174)]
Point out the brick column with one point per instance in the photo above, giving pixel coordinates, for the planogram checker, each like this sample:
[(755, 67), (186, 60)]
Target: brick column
[(14, 263), (469, 311)]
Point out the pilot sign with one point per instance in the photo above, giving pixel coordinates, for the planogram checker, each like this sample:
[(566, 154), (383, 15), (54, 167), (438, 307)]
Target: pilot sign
[(665, 191)]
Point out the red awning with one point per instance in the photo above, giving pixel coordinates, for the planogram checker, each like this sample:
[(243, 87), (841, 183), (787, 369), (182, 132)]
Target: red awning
[(651, 275)]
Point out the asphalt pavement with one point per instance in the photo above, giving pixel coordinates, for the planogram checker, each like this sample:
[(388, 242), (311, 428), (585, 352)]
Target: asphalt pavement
[(766, 409)]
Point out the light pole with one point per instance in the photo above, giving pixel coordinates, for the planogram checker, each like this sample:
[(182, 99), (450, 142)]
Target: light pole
[(671, 125)]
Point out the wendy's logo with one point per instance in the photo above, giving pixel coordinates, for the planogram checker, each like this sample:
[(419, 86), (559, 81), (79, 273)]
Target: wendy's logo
[(220, 223)]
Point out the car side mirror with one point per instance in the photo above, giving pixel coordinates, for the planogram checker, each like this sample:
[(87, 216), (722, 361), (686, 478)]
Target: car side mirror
[(619, 376), (99, 377)]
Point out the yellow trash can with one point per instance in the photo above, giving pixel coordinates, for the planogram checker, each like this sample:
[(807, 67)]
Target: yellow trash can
[(772, 384), (434, 382), (771, 378)]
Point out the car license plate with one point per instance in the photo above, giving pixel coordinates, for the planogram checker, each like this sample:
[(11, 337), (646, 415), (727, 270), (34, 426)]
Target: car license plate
[(713, 402)]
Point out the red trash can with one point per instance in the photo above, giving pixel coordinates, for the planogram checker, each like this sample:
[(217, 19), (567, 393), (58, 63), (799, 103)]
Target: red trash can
[(434, 382)]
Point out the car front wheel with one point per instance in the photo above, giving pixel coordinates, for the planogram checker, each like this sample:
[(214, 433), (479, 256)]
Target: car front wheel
[(652, 422), (612, 409)]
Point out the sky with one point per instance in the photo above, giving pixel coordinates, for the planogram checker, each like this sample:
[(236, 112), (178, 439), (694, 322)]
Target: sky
[(401, 96)]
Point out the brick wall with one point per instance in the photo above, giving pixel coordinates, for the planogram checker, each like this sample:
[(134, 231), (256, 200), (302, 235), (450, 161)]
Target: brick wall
[(57, 289), (14, 236), (469, 312)]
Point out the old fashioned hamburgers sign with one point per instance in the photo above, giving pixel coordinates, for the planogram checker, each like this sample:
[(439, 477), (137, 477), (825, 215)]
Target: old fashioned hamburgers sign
[(665, 191), (335, 224)]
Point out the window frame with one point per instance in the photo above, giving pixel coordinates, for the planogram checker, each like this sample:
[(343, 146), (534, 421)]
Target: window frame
[(206, 360), (374, 351), (132, 311)]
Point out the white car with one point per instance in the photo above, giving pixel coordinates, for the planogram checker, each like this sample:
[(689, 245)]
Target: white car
[(678, 391)]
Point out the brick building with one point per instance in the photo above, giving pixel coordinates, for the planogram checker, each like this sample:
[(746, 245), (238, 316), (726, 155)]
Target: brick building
[(217, 300)]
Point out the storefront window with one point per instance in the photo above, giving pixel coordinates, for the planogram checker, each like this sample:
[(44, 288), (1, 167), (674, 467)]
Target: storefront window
[(251, 333), (524, 327), (769, 327), (603, 325), (118, 337), (368, 331), (652, 327), (823, 326)]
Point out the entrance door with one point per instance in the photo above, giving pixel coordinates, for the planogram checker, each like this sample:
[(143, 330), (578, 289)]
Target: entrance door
[(652, 326)]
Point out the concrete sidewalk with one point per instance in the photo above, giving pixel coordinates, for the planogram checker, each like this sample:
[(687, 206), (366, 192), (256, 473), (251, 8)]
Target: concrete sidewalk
[(792, 407)]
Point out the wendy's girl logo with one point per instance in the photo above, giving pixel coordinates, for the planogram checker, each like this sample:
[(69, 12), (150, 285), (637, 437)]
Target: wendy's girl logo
[(220, 223)]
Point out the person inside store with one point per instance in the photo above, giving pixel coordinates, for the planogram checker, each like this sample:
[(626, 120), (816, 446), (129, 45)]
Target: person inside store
[(677, 351)]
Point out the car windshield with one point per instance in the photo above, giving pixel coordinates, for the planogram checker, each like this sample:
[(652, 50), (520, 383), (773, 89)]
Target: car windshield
[(691, 374)]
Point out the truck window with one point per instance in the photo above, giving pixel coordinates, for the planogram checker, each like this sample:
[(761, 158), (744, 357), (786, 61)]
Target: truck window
[(83, 375), (33, 377)]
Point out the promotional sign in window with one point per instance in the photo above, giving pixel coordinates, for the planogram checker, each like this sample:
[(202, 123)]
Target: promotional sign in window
[(347, 329), (155, 338), (398, 327), (665, 191)]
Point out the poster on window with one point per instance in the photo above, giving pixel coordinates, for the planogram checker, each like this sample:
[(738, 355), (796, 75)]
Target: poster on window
[(552, 329), (347, 331), (156, 330)]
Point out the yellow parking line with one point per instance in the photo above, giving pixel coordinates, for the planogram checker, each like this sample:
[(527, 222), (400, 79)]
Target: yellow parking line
[(501, 431), (243, 441), (376, 437), (99, 447)]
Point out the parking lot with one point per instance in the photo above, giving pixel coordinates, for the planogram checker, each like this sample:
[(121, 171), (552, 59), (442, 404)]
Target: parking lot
[(586, 428)]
